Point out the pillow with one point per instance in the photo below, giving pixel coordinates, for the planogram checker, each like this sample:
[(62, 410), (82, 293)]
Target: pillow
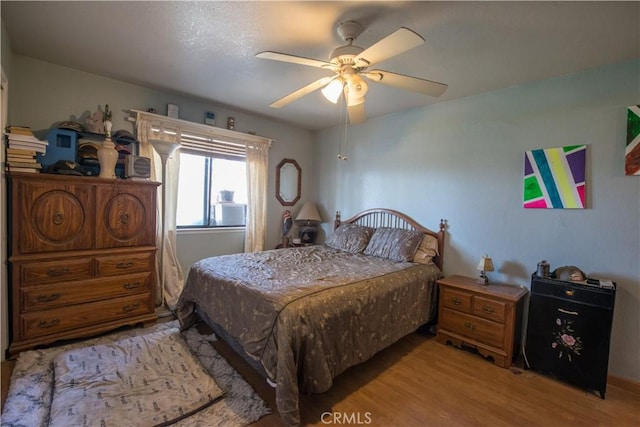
[(394, 243), (350, 238), (427, 249)]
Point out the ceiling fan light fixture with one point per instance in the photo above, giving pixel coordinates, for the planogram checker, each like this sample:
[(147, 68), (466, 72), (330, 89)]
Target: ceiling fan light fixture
[(332, 91)]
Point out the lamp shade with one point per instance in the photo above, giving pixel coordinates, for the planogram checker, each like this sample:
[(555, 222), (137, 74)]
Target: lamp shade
[(333, 90), (309, 213), (485, 264), (164, 147)]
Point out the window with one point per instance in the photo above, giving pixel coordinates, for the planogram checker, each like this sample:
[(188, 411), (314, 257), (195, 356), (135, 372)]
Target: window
[(212, 191)]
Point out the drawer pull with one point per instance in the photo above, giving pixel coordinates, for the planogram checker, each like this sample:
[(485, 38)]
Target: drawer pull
[(48, 298), (470, 326), (124, 218), (123, 264), (456, 301), (44, 324), (575, 313), (569, 292), (488, 309), (57, 272), (131, 307), (131, 285)]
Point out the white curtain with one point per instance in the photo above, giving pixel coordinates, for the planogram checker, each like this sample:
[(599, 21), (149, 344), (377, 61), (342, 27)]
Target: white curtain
[(173, 275), (202, 138), (257, 179)]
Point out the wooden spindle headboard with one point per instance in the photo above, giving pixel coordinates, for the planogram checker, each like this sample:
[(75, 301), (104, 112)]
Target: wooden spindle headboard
[(381, 217)]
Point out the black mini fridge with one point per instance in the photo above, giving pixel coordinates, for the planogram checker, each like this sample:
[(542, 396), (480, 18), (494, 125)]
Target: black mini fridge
[(568, 331)]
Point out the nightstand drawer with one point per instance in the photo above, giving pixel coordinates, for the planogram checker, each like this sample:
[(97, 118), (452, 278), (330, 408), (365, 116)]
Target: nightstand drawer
[(489, 309), (455, 300), (480, 330)]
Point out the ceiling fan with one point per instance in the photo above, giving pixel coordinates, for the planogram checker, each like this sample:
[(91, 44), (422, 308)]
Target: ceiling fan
[(349, 63)]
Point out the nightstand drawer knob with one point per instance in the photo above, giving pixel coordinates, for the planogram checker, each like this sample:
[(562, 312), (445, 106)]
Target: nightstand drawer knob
[(456, 301), (470, 326), (569, 292)]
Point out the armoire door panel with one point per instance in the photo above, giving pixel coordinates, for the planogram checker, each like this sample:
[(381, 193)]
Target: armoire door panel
[(124, 216), (53, 218)]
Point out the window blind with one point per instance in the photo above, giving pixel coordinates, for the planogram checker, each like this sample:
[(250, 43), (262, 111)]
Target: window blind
[(205, 146)]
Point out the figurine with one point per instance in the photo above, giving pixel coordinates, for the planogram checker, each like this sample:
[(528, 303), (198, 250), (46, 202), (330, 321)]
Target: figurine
[(106, 117), (287, 222), (94, 123)]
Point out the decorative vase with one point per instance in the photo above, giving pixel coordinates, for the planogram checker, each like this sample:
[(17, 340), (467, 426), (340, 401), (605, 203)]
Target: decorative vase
[(108, 157)]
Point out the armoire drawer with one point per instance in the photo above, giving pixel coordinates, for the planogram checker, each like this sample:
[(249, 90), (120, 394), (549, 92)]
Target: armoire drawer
[(65, 294), (45, 322), (124, 264), (55, 271)]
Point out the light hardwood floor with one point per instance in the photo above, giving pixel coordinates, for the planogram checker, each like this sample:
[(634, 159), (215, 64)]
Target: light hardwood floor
[(419, 382)]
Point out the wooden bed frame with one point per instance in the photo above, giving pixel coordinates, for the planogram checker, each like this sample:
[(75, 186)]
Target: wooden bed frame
[(381, 217), (375, 218)]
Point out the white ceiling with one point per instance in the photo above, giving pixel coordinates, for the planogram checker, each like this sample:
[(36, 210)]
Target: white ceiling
[(206, 49)]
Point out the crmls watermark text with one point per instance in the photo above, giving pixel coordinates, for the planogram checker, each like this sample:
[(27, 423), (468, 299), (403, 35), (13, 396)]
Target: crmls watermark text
[(346, 418)]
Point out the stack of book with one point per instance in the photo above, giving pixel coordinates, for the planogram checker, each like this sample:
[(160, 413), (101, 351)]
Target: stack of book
[(22, 148)]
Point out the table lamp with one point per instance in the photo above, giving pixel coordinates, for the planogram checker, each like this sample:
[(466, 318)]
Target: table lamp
[(308, 219), (485, 264)]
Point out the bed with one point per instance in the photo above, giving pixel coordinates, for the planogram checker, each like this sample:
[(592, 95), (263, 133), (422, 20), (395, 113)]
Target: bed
[(303, 315)]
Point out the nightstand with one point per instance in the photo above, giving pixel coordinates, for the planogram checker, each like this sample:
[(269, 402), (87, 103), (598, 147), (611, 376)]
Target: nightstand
[(485, 317)]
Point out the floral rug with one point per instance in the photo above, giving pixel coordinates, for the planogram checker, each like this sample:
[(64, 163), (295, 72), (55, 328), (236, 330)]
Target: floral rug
[(32, 383)]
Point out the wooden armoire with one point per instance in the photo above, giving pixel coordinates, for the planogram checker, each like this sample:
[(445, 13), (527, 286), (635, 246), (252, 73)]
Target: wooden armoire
[(81, 256)]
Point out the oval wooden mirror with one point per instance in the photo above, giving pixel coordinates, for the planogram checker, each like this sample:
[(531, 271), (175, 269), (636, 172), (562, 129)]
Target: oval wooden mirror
[(288, 182)]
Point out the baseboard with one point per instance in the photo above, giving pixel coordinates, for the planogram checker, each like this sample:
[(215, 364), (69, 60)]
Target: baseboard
[(624, 383)]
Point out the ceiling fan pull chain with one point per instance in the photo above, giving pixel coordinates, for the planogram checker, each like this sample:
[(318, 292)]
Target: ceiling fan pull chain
[(343, 107)]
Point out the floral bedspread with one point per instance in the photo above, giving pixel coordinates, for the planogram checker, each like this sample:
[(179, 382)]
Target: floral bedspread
[(307, 314)]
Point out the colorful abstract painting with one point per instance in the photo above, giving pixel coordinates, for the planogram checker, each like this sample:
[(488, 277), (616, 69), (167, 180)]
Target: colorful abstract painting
[(632, 151), (554, 178)]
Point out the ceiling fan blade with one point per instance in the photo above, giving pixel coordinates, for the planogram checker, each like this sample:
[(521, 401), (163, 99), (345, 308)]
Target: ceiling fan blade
[(302, 92), (276, 56), (400, 41), (356, 113), (414, 84)]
